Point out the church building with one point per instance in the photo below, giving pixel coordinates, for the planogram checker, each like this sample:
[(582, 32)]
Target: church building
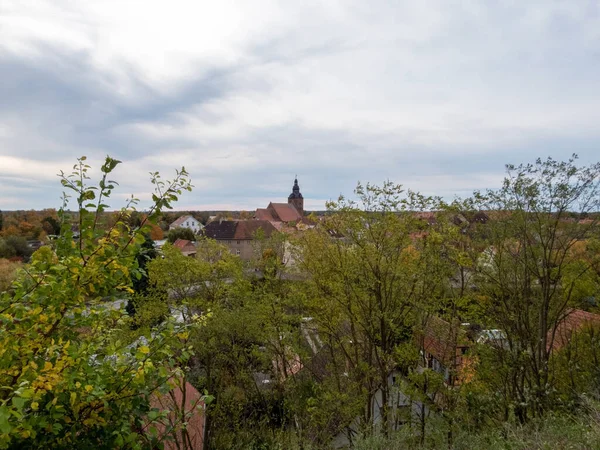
[(289, 213)]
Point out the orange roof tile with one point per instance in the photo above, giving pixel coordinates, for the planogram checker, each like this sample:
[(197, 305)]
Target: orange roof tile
[(194, 416), (285, 212), (575, 320)]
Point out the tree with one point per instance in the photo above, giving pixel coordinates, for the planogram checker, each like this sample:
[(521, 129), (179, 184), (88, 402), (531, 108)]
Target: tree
[(8, 273), (67, 376), (51, 225), (14, 246), (181, 233), (369, 271), (535, 266)]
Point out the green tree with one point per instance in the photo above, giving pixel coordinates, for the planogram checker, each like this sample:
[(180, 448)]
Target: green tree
[(50, 225), (14, 246), (181, 233), (533, 269), (67, 377), (371, 265)]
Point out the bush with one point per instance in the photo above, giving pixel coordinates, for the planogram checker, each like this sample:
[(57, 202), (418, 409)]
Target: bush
[(181, 233)]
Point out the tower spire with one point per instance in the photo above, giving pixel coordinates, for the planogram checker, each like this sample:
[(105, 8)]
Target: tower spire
[(295, 198)]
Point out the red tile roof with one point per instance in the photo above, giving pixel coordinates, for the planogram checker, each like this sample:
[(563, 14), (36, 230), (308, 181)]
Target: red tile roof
[(441, 339), (575, 320), (181, 243), (194, 416), (285, 212), (264, 214), (186, 247)]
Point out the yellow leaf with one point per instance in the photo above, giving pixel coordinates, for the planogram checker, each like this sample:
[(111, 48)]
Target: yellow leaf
[(35, 406), (47, 365), (144, 349), (78, 385), (88, 387)]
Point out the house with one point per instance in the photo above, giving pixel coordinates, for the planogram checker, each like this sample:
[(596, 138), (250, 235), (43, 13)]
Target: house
[(280, 214), (444, 346), (188, 222), (186, 247), (238, 235)]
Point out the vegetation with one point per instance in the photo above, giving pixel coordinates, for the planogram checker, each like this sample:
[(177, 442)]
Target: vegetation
[(397, 321), (181, 233), (68, 375)]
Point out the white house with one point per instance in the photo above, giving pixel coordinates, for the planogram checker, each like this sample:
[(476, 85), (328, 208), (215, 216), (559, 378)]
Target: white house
[(187, 222)]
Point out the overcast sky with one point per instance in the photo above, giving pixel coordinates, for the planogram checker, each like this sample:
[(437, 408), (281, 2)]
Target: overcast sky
[(436, 95)]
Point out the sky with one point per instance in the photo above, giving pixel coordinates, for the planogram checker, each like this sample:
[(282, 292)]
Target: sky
[(435, 95)]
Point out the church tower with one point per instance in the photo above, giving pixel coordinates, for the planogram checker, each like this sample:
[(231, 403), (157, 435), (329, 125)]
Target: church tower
[(296, 199)]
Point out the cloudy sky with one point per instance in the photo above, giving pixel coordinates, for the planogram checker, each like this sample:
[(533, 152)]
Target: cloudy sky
[(436, 95)]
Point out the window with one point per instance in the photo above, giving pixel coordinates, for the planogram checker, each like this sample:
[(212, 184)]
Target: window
[(237, 252), (238, 242)]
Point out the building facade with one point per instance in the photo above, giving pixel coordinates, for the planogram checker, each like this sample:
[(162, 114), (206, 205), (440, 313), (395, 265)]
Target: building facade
[(188, 222), (239, 235)]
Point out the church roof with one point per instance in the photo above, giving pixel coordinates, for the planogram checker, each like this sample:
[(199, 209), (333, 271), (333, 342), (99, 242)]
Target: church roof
[(295, 190), (264, 214), (285, 212)]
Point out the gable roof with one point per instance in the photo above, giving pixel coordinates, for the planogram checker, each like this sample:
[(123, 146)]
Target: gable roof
[(285, 212), (220, 229), (263, 214), (237, 229), (186, 247), (441, 339), (182, 219), (246, 229)]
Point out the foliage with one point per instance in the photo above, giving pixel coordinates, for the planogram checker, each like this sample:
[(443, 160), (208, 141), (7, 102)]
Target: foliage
[(8, 273), (536, 266), (67, 378), (14, 246), (181, 233), (366, 284), (553, 432), (51, 225)]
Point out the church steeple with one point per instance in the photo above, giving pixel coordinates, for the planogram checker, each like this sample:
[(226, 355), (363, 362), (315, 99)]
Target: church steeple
[(295, 198)]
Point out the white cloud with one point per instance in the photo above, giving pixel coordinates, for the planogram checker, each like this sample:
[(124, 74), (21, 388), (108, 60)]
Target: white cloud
[(239, 91)]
